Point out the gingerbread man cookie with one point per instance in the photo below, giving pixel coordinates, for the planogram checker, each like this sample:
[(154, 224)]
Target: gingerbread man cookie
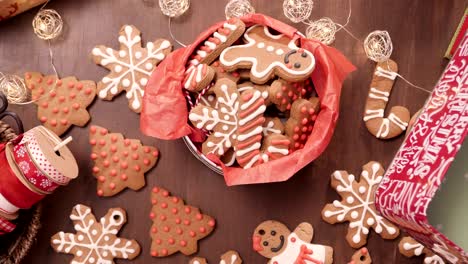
[(130, 67), (119, 162), (301, 121), (275, 241), (224, 37), (176, 226), (267, 55), (95, 241), (358, 205), (230, 257), (361, 257), (61, 103), (379, 93)]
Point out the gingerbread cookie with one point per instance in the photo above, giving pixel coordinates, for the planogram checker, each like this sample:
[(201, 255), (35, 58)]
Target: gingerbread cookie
[(272, 125), (230, 257), (119, 162), (250, 128), (358, 205), (61, 103), (224, 37), (275, 146), (409, 247), (301, 121), (198, 77), (222, 73), (267, 55), (361, 257), (95, 241), (275, 241), (283, 94), (176, 226), (130, 67), (222, 121), (379, 93)]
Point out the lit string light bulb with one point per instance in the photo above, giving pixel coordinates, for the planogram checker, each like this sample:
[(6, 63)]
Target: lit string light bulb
[(298, 10), (378, 46), (47, 24), (238, 8), (174, 8), (323, 30), (14, 88)]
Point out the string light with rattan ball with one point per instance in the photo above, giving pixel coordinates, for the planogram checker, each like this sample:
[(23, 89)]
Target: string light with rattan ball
[(323, 30), (47, 24), (378, 46), (174, 8), (238, 8), (14, 88), (298, 10)]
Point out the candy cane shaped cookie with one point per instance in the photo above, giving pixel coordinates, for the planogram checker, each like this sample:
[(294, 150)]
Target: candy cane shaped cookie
[(198, 77), (250, 128), (379, 93), (224, 37)]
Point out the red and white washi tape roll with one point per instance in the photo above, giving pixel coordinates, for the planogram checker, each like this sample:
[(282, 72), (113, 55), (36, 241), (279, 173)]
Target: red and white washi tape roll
[(31, 171), (59, 168)]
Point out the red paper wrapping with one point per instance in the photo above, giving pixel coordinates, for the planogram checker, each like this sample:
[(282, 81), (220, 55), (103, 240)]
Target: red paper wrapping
[(420, 166), (165, 114)]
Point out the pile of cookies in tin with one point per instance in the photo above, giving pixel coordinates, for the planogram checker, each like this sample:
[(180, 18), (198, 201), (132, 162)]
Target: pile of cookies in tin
[(254, 97)]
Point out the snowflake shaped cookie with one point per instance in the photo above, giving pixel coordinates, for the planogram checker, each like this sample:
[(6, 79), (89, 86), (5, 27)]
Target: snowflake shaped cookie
[(357, 205), (130, 67), (95, 242)]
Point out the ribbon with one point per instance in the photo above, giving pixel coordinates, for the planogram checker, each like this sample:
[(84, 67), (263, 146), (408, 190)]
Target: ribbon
[(12, 188), (6, 226)]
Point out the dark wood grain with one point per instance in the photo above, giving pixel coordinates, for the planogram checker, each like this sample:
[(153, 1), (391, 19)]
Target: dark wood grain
[(420, 30)]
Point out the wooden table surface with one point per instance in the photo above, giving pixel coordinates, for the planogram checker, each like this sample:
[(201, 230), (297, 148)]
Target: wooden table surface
[(420, 30)]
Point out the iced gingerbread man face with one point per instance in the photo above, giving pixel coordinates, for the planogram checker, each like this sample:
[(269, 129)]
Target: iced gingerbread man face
[(270, 238)]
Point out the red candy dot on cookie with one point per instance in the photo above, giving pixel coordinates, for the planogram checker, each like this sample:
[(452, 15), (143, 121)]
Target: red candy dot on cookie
[(102, 142), (154, 201), (166, 229), (146, 149), (174, 210), (71, 85), (186, 222), (187, 210), (152, 215), (31, 86), (72, 95), (155, 190), (125, 153), (164, 205), (293, 239), (135, 156), (112, 186), (202, 230), (164, 252), (100, 193), (79, 86), (64, 122), (146, 162), (175, 199), (192, 233), (52, 94), (127, 142), (76, 106), (61, 99), (113, 148), (183, 243), (134, 146), (115, 159), (59, 83), (163, 218), (55, 110), (102, 178), (171, 241), (158, 241), (28, 75), (53, 122), (103, 154), (106, 163), (165, 193), (179, 231), (103, 132), (199, 216), (113, 173), (65, 110), (43, 119), (39, 80), (124, 165), (211, 223), (92, 129), (114, 138), (154, 230), (92, 142), (155, 153), (87, 91), (304, 121), (154, 253), (178, 221)]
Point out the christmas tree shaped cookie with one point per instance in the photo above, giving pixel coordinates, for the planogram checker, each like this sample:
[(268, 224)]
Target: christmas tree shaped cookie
[(95, 242), (119, 162), (61, 103), (176, 226)]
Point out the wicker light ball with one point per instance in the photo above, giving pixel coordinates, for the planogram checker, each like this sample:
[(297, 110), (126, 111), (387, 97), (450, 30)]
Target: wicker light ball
[(174, 8), (47, 24), (14, 88), (238, 8), (378, 46), (298, 10), (323, 30)]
